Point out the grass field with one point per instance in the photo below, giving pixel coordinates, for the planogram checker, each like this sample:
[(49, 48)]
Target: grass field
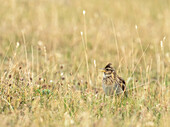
[(51, 52)]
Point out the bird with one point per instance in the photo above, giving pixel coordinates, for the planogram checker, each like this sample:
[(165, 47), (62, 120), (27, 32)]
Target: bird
[(112, 84)]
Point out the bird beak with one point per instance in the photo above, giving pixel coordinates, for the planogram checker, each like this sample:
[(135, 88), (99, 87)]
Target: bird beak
[(102, 70)]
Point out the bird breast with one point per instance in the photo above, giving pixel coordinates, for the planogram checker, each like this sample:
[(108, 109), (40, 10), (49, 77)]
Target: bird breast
[(109, 87)]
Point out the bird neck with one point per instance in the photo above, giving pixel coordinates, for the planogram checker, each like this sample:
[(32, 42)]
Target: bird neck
[(107, 75)]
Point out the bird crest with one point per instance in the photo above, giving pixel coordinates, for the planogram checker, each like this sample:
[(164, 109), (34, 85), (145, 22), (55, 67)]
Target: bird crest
[(109, 65)]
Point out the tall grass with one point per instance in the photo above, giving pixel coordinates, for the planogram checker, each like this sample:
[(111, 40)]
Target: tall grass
[(50, 72)]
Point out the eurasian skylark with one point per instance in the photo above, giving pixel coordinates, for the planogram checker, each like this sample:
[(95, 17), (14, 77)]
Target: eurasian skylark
[(112, 83)]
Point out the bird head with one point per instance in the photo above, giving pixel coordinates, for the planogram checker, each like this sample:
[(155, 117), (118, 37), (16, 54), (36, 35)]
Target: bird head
[(108, 71)]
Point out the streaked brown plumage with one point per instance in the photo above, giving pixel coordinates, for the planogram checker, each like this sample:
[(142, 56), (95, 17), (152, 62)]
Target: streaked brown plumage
[(112, 82)]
